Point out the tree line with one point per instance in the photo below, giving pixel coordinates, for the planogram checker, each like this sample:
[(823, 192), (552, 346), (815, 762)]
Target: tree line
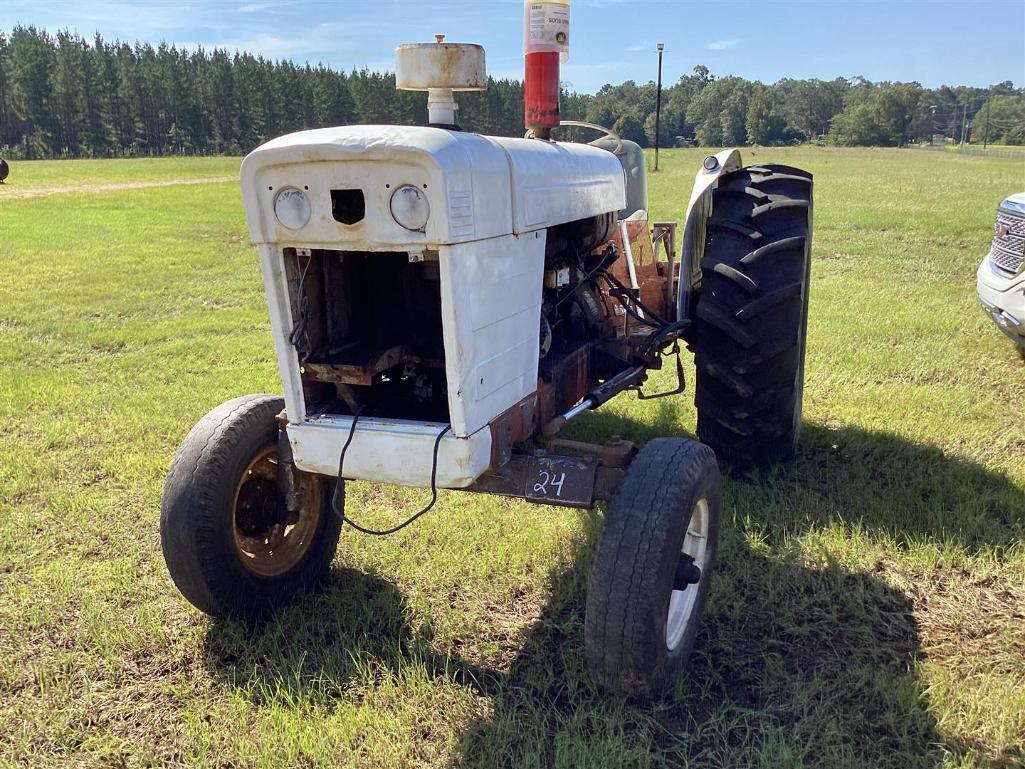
[(64, 96)]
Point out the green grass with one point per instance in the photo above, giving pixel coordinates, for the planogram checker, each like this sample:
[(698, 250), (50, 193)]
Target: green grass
[(869, 606)]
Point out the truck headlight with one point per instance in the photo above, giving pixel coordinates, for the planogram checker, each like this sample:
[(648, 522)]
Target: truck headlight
[(409, 207), (292, 207)]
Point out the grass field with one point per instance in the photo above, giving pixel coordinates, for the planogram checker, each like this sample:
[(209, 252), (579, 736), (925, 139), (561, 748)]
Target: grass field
[(868, 611)]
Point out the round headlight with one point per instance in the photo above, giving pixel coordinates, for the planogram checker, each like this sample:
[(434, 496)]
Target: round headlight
[(292, 207), (409, 207)]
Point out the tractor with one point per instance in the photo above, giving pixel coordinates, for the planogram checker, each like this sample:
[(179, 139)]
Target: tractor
[(442, 303)]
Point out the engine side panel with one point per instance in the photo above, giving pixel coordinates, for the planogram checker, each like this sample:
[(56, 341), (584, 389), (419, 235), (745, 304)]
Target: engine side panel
[(491, 312)]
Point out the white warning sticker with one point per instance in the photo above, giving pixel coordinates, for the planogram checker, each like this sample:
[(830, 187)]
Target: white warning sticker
[(547, 26)]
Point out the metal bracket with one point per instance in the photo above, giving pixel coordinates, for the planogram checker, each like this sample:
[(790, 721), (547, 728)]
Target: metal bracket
[(289, 494), (664, 234), (681, 381), (560, 480), (512, 426)]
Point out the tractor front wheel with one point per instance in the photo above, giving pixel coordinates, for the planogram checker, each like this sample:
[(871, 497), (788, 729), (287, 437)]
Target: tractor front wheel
[(653, 566), (752, 314), (230, 548)]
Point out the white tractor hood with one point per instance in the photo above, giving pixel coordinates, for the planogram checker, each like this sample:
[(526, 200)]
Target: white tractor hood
[(477, 186)]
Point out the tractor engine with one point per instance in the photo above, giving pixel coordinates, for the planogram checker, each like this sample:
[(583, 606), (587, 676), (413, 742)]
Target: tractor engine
[(573, 308), (367, 325)]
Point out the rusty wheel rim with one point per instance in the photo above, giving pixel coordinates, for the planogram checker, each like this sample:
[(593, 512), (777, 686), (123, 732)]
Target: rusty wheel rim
[(268, 548)]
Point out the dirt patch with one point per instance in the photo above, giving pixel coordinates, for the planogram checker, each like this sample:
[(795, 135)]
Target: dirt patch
[(8, 192), (963, 618), (970, 631)]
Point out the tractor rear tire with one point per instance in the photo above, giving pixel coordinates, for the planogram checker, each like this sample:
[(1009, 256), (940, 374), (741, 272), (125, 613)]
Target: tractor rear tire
[(224, 546), (653, 567), (750, 329)]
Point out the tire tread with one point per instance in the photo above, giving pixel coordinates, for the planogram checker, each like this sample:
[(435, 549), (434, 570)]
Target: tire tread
[(193, 515), (751, 314), (621, 636)]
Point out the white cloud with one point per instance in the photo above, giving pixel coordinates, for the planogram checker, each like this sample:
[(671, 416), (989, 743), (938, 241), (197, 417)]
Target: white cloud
[(258, 7), (720, 45), (122, 19), (637, 48), (319, 42)]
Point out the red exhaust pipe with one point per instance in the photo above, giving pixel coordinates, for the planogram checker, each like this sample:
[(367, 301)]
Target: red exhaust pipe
[(545, 42), (541, 93)]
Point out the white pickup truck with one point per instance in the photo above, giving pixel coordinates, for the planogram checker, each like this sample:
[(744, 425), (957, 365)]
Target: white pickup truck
[(1001, 276)]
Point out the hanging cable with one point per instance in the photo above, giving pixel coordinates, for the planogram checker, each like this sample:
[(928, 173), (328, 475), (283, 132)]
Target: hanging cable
[(607, 258), (338, 498), (625, 297), (635, 299), (300, 336)]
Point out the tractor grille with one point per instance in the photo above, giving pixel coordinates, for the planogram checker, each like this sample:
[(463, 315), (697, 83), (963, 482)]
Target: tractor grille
[(1008, 250)]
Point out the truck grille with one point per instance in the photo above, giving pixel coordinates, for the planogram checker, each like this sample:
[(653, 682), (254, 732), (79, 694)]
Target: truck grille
[(1008, 251)]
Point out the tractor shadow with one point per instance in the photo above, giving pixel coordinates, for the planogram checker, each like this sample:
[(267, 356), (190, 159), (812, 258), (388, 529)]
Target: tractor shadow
[(313, 651), (795, 665), (792, 668), (853, 477)]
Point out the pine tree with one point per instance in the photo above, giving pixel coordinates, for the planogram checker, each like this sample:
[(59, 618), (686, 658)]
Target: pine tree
[(64, 96)]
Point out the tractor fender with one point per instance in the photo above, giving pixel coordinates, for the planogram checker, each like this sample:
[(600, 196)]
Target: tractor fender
[(698, 210)]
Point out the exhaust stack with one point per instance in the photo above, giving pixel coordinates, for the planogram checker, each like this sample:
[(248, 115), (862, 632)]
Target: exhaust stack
[(545, 46)]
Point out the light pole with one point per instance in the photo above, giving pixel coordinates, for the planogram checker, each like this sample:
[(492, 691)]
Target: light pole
[(658, 101), (985, 139)]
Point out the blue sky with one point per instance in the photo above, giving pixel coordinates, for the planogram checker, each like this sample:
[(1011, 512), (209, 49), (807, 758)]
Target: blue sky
[(977, 43)]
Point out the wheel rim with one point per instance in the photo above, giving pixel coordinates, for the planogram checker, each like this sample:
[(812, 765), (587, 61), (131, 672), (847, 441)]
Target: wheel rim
[(682, 602), (266, 547)]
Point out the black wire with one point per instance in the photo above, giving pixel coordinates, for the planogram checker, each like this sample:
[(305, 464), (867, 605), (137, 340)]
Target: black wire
[(584, 280), (657, 340), (633, 313), (300, 337), (621, 296), (337, 500)]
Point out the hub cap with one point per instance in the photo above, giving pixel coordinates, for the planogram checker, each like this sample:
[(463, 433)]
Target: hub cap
[(689, 572), (266, 546)]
